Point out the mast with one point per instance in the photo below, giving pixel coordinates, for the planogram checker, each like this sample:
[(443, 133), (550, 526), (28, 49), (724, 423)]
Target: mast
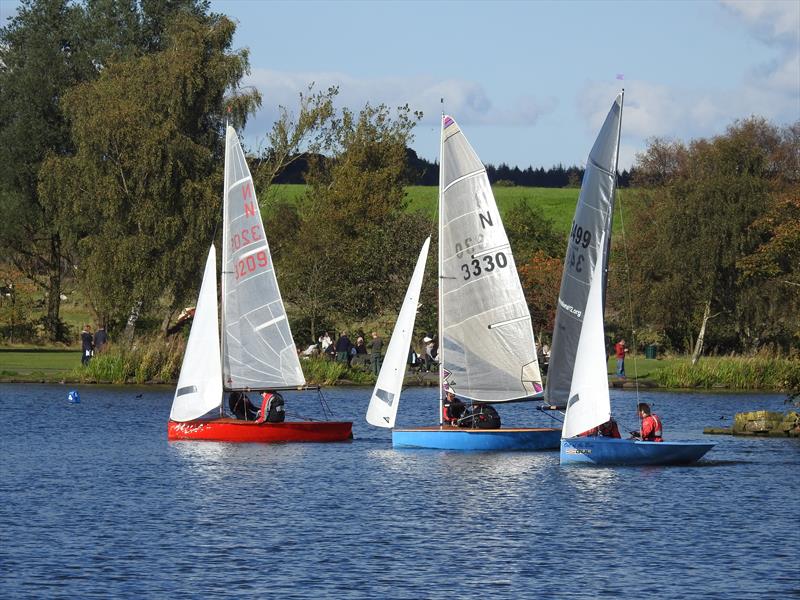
[(222, 273), (611, 212), (440, 356)]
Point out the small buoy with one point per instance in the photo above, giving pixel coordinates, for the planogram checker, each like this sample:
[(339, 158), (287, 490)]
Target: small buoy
[(74, 397)]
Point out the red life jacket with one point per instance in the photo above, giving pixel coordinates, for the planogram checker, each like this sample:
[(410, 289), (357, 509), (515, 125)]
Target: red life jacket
[(607, 429), (262, 414), (651, 429), (446, 416)]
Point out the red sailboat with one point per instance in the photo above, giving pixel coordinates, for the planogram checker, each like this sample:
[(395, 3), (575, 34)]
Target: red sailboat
[(257, 353)]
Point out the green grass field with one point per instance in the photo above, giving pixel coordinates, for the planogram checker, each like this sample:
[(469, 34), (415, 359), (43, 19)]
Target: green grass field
[(51, 362), (556, 204)]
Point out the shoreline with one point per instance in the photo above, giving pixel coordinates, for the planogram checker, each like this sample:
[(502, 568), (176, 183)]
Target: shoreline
[(414, 380)]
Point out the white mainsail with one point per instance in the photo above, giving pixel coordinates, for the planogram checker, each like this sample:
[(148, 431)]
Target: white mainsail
[(589, 401), (200, 381), (258, 349), (593, 220), (385, 399), (487, 350)]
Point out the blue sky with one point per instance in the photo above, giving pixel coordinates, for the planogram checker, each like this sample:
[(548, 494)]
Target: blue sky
[(529, 82)]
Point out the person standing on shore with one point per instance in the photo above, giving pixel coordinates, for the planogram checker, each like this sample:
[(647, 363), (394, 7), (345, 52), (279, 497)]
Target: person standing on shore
[(375, 353), (87, 343), (100, 339), (620, 349), (343, 347)]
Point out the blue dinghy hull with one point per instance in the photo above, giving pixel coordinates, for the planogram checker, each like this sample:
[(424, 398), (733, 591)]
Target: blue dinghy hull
[(451, 438), (611, 451)]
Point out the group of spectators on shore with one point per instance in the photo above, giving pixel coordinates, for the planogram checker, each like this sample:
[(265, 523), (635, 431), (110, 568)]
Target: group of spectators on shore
[(343, 350), (92, 343)]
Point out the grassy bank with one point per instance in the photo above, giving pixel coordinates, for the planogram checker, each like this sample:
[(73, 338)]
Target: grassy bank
[(147, 361), (731, 373), (157, 361)]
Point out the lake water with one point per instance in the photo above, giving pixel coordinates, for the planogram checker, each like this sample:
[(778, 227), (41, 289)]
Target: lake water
[(94, 502)]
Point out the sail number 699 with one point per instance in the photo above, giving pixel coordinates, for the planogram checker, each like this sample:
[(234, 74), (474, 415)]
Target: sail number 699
[(486, 263)]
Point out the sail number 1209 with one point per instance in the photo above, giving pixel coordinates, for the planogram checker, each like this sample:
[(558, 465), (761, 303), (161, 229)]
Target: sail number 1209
[(250, 263), (475, 268)]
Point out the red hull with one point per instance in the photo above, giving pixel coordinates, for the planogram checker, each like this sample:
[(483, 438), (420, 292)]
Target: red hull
[(233, 430)]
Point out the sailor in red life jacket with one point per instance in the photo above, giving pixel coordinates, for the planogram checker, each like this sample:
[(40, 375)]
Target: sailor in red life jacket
[(272, 408), (452, 408), (607, 429), (651, 425)]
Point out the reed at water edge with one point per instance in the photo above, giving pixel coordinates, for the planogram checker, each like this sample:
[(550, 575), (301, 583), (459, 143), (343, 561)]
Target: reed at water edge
[(153, 359), (732, 372)]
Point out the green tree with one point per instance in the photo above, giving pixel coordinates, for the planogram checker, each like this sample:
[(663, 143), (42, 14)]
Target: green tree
[(141, 194), (529, 232), (47, 48), (292, 136), (40, 58), (356, 247), (694, 224)]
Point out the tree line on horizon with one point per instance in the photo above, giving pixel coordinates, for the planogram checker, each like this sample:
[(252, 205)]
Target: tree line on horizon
[(421, 171), (112, 118)]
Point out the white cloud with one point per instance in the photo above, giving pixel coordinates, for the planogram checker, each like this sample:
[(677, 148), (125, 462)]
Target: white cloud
[(770, 90), (776, 24), (466, 100), (773, 21)]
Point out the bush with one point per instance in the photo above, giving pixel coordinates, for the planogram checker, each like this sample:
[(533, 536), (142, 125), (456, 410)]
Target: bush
[(151, 359), (324, 371)]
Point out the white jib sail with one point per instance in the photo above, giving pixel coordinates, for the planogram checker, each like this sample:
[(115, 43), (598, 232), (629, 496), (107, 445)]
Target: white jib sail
[(589, 401), (385, 399), (486, 343), (258, 350), (200, 382)]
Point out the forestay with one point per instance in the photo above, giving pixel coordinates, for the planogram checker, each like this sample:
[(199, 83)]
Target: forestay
[(589, 401), (385, 399), (200, 382), (593, 216), (258, 349), (487, 347)]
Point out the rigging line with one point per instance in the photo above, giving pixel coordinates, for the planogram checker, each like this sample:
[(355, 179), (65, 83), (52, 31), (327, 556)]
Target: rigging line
[(552, 416), (630, 296), (326, 410), (627, 262)]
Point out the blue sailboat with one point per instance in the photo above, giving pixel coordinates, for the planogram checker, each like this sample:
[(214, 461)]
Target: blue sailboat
[(487, 352), (577, 376)]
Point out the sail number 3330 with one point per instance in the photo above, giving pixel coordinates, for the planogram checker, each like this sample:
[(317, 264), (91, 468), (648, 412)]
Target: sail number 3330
[(486, 263), (251, 263)]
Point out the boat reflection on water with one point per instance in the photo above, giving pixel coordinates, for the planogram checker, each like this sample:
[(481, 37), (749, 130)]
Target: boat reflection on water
[(598, 482), (216, 460)]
